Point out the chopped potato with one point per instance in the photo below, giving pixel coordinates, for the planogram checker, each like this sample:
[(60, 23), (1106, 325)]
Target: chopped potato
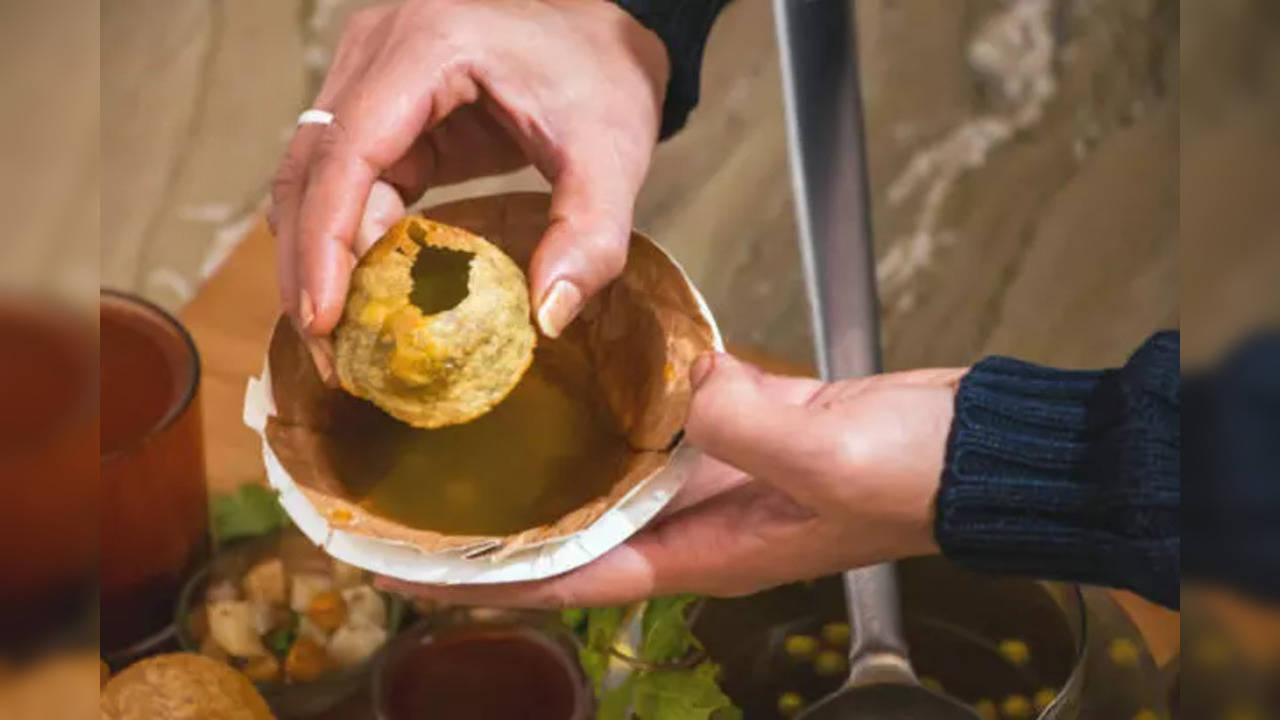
[(327, 610), (309, 630), (305, 587), (221, 591), (231, 626), (365, 604), (264, 582), (354, 642), (263, 616), (306, 661), (345, 575), (264, 668)]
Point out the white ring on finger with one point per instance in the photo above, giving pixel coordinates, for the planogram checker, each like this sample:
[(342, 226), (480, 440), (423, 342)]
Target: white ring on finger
[(315, 116)]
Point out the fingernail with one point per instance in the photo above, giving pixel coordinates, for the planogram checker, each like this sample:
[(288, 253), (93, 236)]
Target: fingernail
[(559, 307), (702, 367), (306, 310), (322, 356)]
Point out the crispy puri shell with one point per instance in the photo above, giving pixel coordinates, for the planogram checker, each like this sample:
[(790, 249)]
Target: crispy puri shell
[(444, 368), (182, 686), (640, 336)]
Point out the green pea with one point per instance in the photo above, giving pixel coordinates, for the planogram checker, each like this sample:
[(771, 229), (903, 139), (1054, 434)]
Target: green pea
[(986, 710), (1043, 698), (1015, 651), (800, 647), (836, 634), (1016, 707), (790, 704), (829, 663)]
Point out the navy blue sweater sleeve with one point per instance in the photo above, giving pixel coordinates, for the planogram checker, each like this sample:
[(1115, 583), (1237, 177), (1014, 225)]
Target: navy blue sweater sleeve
[(1070, 475), (683, 26), (1231, 469)]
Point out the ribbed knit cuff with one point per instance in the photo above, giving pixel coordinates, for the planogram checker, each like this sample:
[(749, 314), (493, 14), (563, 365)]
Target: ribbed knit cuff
[(1007, 503), (1068, 475), (683, 26)]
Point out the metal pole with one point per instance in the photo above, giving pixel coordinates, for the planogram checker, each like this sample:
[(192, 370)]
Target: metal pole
[(829, 182)]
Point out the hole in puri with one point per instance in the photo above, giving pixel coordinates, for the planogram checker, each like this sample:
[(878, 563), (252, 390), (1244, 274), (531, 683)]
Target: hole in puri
[(439, 279)]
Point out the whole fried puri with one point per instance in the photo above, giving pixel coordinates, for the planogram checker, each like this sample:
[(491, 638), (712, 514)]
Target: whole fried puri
[(181, 686), (436, 328)]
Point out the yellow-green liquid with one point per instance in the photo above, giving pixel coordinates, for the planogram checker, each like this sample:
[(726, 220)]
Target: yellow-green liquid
[(543, 451)]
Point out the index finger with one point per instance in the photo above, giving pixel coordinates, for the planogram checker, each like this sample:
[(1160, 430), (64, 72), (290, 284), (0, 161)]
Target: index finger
[(375, 123)]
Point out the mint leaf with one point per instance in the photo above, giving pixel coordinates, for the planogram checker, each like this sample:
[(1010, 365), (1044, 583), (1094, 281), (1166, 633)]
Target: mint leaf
[(666, 634), (603, 625), (682, 695), (595, 665), (252, 510), (616, 704)]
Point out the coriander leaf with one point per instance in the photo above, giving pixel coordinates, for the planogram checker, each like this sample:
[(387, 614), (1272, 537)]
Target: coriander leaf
[(667, 636), (616, 703), (681, 695), (252, 510)]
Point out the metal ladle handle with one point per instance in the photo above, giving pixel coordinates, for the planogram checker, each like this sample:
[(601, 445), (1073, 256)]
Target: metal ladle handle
[(829, 183), (878, 651)]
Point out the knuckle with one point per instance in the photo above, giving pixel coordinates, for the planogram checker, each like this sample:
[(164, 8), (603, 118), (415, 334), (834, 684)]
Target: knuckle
[(286, 182), (607, 244)]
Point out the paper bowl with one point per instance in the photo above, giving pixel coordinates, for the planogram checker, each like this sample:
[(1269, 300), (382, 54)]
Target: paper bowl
[(647, 385)]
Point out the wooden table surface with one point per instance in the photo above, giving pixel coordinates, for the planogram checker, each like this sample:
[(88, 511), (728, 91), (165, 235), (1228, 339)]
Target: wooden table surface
[(231, 318)]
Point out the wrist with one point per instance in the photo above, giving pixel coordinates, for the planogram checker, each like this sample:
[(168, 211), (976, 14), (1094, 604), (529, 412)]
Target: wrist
[(904, 457)]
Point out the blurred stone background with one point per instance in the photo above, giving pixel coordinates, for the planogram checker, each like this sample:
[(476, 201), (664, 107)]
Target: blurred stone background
[(1024, 157)]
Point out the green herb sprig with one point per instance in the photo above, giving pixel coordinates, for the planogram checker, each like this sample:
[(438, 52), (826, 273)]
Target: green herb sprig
[(251, 511), (667, 680)]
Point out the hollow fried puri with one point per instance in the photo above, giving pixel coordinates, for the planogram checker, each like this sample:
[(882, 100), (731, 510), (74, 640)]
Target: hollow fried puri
[(182, 686), (426, 347)]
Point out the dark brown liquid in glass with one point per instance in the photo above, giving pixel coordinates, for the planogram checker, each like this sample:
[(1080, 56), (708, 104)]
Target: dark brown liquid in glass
[(484, 673), (154, 522), (48, 471)]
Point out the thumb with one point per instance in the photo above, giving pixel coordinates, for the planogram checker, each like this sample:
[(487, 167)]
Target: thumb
[(759, 423)]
